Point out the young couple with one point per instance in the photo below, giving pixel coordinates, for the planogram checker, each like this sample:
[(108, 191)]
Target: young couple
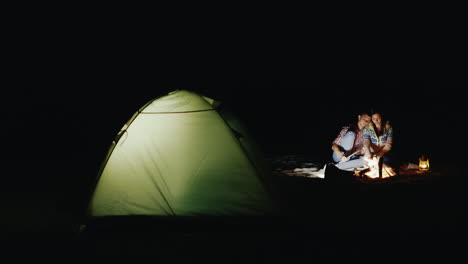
[(369, 136)]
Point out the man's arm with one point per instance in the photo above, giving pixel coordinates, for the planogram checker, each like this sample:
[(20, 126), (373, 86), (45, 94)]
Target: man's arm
[(337, 150), (340, 154)]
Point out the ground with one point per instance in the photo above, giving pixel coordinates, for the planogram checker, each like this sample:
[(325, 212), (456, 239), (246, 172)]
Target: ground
[(420, 218)]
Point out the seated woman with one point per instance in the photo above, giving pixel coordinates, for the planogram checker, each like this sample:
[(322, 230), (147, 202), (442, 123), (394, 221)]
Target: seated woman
[(378, 138)]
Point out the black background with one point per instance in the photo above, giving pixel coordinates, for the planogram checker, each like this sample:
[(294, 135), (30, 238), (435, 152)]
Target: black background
[(71, 83)]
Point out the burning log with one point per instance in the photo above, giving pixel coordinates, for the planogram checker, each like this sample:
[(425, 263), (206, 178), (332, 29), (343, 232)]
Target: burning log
[(376, 169)]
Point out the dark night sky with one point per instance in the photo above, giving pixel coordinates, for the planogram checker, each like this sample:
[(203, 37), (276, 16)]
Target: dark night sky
[(75, 86), (77, 81)]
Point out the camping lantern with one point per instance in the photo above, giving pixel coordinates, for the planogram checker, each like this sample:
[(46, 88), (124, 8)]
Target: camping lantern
[(423, 163)]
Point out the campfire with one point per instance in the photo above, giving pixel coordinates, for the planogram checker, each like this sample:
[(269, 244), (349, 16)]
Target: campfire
[(376, 169)]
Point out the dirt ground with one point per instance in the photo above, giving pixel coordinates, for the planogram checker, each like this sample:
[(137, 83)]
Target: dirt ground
[(416, 218)]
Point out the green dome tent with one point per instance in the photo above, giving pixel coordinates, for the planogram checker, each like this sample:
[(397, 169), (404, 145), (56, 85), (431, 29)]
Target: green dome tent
[(181, 155)]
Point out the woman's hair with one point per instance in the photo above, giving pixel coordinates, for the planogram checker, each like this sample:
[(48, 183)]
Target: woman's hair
[(375, 111), (385, 123)]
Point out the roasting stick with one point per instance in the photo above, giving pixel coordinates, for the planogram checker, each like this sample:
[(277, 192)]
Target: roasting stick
[(354, 153)]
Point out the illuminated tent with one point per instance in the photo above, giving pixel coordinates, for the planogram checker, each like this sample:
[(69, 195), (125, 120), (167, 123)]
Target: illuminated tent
[(182, 155)]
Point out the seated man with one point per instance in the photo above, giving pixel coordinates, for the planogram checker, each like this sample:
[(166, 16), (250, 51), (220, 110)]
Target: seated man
[(348, 146)]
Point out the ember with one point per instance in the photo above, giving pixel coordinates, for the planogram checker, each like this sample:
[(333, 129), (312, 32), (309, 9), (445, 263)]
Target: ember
[(373, 170)]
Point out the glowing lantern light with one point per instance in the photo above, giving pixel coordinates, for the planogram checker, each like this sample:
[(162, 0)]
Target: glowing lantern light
[(423, 163)]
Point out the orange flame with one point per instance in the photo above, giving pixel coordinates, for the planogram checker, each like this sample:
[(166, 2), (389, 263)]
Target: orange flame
[(373, 169)]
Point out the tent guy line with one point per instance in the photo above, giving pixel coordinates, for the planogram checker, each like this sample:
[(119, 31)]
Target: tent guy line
[(182, 112)]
